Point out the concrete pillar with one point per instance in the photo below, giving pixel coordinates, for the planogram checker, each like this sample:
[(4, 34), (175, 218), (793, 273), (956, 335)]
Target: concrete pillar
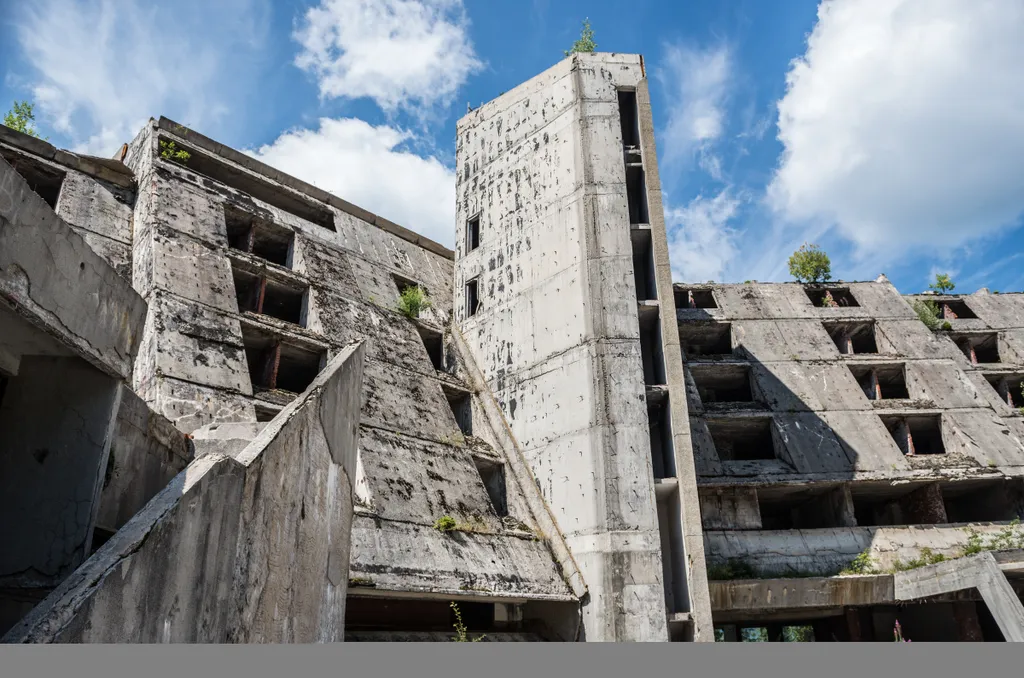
[(925, 506)]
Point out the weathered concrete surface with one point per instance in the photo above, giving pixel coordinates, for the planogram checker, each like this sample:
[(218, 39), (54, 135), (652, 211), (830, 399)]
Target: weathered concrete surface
[(747, 597), (557, 332), (54, 278), (252, 549), (979, 572)]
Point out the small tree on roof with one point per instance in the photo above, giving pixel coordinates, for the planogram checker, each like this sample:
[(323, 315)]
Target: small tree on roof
[(586, 42), (810, 264), (942, 283), (20, 118)]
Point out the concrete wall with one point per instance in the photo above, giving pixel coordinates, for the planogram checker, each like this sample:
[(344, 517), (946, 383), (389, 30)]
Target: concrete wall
[(247, 549), (557, 334)]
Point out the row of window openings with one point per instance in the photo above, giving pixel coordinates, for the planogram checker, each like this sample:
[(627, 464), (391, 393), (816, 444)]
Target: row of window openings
[(729, 384), (838, 507), (755, 438)]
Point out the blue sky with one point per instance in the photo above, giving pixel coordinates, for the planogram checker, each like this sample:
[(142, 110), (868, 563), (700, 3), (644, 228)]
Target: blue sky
[(890, 132)]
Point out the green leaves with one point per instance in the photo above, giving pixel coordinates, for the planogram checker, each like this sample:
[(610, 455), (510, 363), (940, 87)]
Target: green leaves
[(20, 118), (810, 264), (586, 42)]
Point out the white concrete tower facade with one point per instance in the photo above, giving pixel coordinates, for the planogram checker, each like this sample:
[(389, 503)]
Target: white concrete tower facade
[(563, 293)]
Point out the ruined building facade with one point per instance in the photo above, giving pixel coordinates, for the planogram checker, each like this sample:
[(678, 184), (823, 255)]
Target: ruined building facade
[(220, 426)]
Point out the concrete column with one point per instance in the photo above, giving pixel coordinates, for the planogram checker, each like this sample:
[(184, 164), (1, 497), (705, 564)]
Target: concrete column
[(925, 506)]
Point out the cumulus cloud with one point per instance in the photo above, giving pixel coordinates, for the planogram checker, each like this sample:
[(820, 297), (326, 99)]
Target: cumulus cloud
[(402, 54), (700, 241), (104, 67), (903, 122), (696, 83), (367, 166)]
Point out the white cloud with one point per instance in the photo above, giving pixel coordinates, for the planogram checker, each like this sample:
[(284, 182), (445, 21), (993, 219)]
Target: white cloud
[(701, 243), (903, 123), (367, 166), (696, 85), (411, 54), (105, 67)]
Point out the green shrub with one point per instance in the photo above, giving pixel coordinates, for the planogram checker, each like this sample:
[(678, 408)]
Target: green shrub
[(20, 118), (445, 524), (586, 42), (942, 284), (928, 312), (862, 564), (168, 151), (946, 327), (412, 301), (460, 629)]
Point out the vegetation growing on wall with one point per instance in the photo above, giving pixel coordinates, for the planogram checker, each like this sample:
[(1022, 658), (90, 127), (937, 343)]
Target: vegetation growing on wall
[(586, 40), (412, 301), (928, 312), (168, 151)]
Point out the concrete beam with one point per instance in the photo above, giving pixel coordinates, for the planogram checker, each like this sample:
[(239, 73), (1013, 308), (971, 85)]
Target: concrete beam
[(979, 571)]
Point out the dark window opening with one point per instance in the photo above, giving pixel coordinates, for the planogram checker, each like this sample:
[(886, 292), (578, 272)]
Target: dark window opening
[(652, 353), (878, 510), (493, 476), (984, 502), (881, 382), (705, 339), (629, 119), (643, 266), (853, 338), (830, 297), (473, 234), (1010, 389), (916, 435), (100, 536), (952, 309), (803, 510), (723, 383), (689, 298), (365, 614), (980, 348), (3, 388), (636, 194), (264, 414), (258, 295), (745, 439), (434, 343), (256, 186), (662, 451), (260, 238), (462, 408), (472, 298), (673, 562), (46, 181), (274, 365)]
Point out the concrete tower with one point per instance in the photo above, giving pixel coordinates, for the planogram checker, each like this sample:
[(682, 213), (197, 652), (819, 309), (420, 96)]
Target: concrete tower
[(563, 293)]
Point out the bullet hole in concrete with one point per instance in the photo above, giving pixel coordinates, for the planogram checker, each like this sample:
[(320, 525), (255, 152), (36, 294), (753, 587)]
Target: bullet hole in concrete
[(258, 237), (705, 339), (840, 296), (981, 347), (45, 180), (472, 298), (493, 476), (694, 298), (256, 186), (916, 435), (881, 382), (852, 338), (472, 234), (743, 438), (723, 383)]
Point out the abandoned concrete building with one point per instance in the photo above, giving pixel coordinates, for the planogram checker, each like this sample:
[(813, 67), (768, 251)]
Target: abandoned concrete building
[(221, 424)]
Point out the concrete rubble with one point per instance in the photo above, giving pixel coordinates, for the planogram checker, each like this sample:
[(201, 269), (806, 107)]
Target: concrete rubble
[(220, 425)]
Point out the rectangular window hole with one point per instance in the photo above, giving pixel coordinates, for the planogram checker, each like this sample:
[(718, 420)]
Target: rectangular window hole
[(917, 435), (982, 502), (434, 343), (45, 180), (723, 383), (853, 338), (628, 119), (652, 354), (255, 236), (695, 298), (472, 298), (743, 439), (265, 414), (265, 297), (831, 297), (493, 476), (461, 405), (274, 365), (473, 234), (951, 309), (881, 382), (256, 186), (700, 339), (979, 348), (636, 195), (643, 267), (662, 451), (1009, 388)]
